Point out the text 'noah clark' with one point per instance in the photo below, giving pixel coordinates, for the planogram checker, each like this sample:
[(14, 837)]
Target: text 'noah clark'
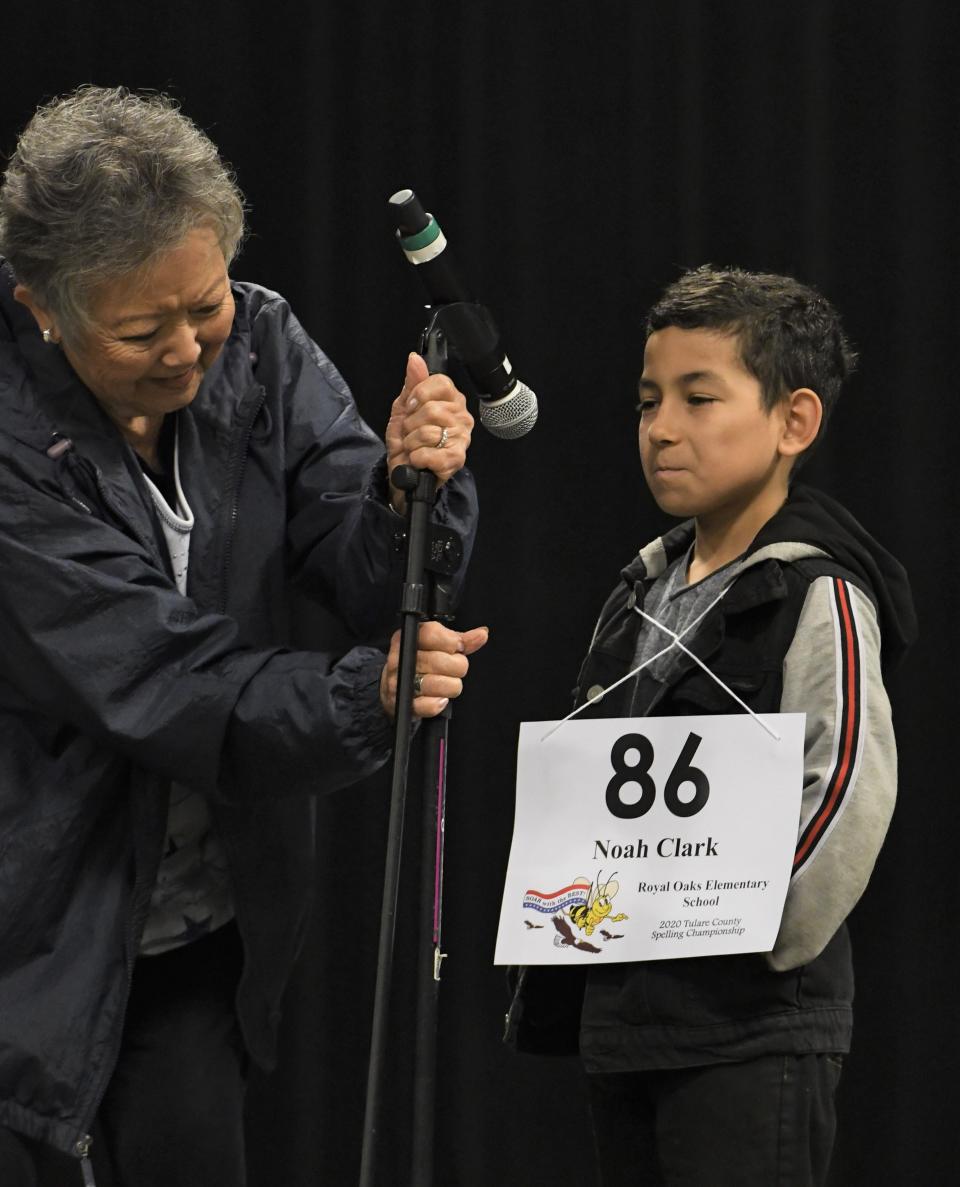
[(665, 847)]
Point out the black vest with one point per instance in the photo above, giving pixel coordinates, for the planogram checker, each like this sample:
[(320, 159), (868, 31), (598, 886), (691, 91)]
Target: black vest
[(700, 1010)]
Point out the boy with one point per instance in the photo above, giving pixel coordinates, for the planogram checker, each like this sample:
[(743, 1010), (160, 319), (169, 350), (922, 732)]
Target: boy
[(714, 1071)]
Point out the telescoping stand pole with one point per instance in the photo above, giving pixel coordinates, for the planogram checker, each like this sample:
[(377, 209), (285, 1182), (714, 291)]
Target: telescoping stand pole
[(433, 552), (435, 733)]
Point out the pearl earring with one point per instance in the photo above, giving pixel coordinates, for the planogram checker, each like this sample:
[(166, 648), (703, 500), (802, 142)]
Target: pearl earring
[(48, 336)]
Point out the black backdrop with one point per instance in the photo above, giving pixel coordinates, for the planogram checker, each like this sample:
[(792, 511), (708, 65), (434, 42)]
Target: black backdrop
[(578, 154)]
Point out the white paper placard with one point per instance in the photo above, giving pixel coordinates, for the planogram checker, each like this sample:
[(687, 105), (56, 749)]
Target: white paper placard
[(654, 837)]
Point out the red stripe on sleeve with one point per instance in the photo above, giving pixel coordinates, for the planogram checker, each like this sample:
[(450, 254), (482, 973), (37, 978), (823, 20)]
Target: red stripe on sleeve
[(848, 744)]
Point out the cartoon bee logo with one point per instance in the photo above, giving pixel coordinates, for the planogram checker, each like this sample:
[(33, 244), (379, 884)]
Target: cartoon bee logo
[(589, 915)]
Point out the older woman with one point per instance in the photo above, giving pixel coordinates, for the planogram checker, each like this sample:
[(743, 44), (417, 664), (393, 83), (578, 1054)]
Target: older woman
[(175, 455)]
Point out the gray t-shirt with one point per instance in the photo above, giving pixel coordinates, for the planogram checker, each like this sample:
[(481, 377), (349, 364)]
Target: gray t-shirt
[(675, 604)]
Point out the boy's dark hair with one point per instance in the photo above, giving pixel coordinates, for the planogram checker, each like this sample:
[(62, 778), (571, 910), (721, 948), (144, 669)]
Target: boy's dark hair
[(789, 335)]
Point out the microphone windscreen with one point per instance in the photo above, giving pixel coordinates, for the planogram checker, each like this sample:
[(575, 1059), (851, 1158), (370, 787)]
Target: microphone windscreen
[(512, 416)]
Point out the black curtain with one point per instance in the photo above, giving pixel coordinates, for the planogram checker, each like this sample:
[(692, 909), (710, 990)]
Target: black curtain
[(578, 155)]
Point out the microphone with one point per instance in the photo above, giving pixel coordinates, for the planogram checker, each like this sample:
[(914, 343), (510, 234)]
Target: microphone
[(508, 408)]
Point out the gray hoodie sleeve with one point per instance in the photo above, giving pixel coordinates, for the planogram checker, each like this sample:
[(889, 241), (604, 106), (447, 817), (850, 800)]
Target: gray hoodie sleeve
[(832, 673)]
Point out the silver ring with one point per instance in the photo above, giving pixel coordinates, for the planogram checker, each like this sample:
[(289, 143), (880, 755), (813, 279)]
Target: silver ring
[(444, 437), (418, 684)]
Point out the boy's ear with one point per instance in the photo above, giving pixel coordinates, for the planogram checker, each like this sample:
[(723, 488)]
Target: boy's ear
[(802, 417)]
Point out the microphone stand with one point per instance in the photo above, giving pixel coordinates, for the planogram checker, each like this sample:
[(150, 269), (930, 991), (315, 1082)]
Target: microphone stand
[(433, 552)]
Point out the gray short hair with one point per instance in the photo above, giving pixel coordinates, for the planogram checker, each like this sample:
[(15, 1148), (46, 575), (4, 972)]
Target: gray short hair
[(103, 181)]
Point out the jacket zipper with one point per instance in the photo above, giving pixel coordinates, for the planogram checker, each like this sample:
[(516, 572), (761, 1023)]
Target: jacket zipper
[(86, 1167), (237, 467), (508, 1022), (85, 1141), (83, 1144)]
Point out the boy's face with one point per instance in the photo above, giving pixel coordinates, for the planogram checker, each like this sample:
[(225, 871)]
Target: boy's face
[(707, 444)]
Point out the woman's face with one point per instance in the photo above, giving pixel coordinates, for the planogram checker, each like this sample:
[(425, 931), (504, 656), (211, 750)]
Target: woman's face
[(157, 331)]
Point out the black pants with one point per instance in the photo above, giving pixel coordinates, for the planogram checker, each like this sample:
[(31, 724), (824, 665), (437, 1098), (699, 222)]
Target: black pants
[(767, 1122), (173, 1113)]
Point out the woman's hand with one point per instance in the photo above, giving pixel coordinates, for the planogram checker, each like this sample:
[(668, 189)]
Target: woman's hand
[(429, 427), (441, 667)]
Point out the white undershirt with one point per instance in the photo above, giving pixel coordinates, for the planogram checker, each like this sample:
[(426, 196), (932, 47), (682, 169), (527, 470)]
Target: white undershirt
[(177, 524)]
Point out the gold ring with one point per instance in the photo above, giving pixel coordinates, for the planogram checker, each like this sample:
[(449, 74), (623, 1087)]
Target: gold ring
[(444, 436), (418, 684)]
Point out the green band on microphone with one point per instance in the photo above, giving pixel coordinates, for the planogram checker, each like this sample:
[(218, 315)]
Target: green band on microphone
[(422, 238)]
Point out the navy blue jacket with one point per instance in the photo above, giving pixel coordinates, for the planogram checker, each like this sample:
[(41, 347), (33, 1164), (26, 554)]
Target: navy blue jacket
[(112, 684)]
